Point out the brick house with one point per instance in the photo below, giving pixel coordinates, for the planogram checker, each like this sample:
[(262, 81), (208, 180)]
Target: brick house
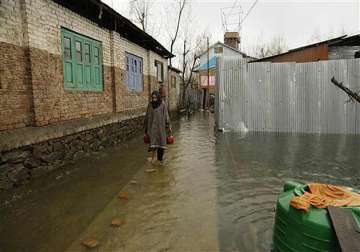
[(62, 60), (74, 68)]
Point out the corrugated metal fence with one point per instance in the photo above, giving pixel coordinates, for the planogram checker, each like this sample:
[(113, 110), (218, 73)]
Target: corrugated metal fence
[(287, 97)]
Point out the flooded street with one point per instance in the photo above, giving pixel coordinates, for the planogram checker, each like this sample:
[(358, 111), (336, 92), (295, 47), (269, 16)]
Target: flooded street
[(215, 192)]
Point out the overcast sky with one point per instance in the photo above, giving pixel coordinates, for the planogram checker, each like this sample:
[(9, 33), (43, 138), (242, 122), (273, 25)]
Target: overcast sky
[(298, 22)]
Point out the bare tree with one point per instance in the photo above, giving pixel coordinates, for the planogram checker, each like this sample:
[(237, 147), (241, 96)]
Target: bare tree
[(139, 10), (190, 59), (276, 46), (331, 33), (181, 5), (186, 74)]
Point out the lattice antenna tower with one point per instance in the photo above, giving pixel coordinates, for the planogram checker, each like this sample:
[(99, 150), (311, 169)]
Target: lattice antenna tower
[(231, 17)]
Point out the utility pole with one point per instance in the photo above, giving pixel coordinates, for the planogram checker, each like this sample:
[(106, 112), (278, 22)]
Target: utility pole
[(208, 74), (208, 63)]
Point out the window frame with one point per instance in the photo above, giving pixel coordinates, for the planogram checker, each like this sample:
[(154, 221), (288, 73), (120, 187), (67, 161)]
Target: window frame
[(82, 75), (218, 50), (173, 81), (160, 78), (134, 72)]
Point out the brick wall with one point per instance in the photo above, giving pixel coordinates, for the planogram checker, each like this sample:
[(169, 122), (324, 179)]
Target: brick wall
[(32, 86), (15, 88), (52, 102), (128, 100)]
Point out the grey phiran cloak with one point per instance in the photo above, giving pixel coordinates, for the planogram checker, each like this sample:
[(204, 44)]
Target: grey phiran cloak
[(156, 123)]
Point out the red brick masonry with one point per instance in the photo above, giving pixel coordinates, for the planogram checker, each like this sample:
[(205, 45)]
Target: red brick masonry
[(32, 90)]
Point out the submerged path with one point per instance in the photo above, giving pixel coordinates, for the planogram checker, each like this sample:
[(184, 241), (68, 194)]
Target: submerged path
[(170, 209), (215, 192)]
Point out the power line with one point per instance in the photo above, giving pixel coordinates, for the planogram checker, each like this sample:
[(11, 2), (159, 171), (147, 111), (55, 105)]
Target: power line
[(235, 2), (247, 14)]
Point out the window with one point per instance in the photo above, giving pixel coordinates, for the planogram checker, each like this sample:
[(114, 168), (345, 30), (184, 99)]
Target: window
[(134, 73), (87, 54), (218, 49), (173, 81), (78, 51), (67, 48), (82, 62), (159, 71)]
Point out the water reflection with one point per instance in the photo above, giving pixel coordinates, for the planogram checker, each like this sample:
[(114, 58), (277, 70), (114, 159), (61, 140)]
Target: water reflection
[(216, 192), (251, 170)]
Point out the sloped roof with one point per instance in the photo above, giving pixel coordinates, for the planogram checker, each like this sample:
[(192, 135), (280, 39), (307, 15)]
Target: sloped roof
[(341, 40), (212, 64), (176, 70), (224, 45), (108, 18)]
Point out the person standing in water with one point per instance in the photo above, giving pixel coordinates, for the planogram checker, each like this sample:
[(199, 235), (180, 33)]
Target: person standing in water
[(156, 124)]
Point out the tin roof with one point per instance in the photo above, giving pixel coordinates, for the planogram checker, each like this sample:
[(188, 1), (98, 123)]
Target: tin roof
[(333, 41), (212, 64)]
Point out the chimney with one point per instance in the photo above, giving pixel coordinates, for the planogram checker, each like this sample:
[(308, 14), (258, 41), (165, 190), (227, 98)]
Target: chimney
[(232, 39)]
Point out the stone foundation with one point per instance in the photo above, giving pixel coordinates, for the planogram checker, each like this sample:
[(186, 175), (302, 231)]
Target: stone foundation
[(21, 162)]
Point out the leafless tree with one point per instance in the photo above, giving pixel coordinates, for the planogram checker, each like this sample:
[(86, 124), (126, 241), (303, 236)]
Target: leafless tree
[(276, 46), (180, 5), (318, 36), (139, 11), (190, 59), (188, 66)]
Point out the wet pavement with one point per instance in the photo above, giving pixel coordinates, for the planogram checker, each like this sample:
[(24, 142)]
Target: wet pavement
[(215, 192)]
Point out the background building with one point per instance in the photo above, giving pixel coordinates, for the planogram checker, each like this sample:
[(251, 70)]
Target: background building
[(343, 47), (230, 47)]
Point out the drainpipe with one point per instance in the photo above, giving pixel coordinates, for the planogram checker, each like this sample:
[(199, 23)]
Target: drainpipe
[(148, 75), (168, 86), (112, 65)]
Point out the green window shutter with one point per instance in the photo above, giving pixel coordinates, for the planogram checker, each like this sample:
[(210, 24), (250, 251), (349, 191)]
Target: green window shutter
[(79, 67), (73, 60), (67, 53), (87, 64), (97, 67), (82, 62)]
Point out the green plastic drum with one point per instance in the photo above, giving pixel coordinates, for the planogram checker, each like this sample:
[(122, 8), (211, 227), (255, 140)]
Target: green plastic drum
[(297, 230)]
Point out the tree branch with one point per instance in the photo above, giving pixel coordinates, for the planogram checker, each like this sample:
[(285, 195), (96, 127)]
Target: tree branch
[(352, 95), (191, 72), (173, 39), (141, 9)]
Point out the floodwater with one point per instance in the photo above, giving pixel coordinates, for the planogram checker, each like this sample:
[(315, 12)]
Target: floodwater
[(215, 192)]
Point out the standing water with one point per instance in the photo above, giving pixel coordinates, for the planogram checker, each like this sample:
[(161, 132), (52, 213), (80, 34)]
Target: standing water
[(215, 192)]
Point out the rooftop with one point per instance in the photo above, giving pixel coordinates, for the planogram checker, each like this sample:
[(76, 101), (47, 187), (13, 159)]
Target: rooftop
[(222, 44), (344, 40), (108, 18)]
